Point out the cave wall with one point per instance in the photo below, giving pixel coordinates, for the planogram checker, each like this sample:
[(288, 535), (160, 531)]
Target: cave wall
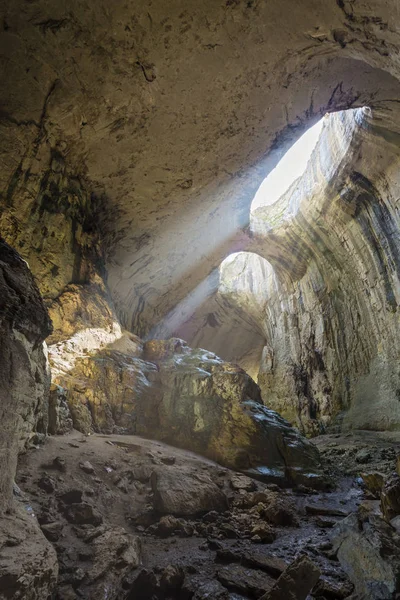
[(325, 305), (336, 341), (28, 565), (132, 143), (24, 373), (53, 221), (175, 115)]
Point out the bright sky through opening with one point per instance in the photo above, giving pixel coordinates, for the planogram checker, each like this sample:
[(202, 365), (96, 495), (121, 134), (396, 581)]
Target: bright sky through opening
[(289, 168)]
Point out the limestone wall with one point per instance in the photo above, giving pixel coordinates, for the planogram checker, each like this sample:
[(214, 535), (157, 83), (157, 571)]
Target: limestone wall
[(326, 302), (24, 376)]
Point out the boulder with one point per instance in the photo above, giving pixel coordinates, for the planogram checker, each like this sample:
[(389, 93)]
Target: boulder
[(296, 581), (185, 492), (263, 533), (266, 562), (28, 562), (192, 399), (159, 350), (215, 408), (244, 580), (171, 580), (374, 482), (211, 590), (83, 513), (170, 525), (107, 391), (369, 552), (116, 552), (275, 507), (337, 590)]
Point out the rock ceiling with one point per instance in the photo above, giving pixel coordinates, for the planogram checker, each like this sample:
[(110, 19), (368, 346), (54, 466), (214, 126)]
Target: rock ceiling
[(169, 111)]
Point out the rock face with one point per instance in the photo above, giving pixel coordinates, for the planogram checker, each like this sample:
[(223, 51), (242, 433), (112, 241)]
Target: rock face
[(28, 563), (314, 298), (296, 581), (115, 555), (24, 376), (390, 498), (368, 550), (191, 399), (190, 495), (60, 420)]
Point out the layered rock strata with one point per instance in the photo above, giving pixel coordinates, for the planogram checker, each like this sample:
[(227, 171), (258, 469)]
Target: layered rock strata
[(314, 300)]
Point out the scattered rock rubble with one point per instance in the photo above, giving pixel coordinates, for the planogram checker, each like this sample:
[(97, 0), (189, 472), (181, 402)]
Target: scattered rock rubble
[(137, 519)]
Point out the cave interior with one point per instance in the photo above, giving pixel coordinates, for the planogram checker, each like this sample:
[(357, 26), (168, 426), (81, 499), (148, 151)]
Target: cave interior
[(199, 300)]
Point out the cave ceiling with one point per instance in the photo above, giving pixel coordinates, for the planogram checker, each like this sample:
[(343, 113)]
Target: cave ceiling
[(174, 112)]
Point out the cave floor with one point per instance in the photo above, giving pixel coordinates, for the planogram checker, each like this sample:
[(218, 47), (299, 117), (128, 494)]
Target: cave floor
[(234, 553)]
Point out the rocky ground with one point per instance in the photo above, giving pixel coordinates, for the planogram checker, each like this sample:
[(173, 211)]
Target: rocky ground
[(137, 519)]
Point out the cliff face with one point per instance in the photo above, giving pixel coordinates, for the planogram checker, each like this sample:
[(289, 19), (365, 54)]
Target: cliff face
[(24, 373), (28, 564), (341, 315), (326, 302)]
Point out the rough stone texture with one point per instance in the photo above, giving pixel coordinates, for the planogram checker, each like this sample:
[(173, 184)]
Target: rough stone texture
[(85, 321), (368, 550), (390, 498), (296, 581), (316, 309), (53, 221), (191, 494), (190, 399), (82, 307), (116, 554), (28, 562), (245, 581), (60, 420), (24, 377), (108, 390)]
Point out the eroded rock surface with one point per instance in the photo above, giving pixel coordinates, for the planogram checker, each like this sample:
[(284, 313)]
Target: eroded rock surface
[(191, 399), (368, 550), (24, 375), (296, 582), (310, 309), (28, 562), (127, 546)]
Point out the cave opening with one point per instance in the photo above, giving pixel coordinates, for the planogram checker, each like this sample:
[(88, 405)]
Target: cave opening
[(289, 168), (260, 299)]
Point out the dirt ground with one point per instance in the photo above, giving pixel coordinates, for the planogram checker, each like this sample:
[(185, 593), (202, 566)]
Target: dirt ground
[(132, 518)]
